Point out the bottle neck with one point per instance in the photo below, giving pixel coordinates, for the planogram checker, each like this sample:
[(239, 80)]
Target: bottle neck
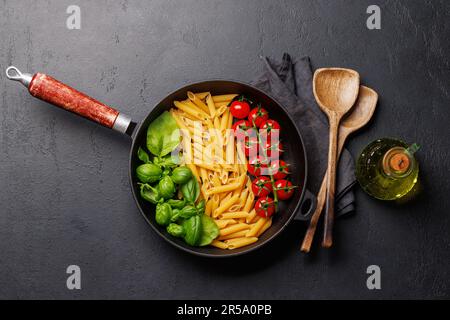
[(397, 163)]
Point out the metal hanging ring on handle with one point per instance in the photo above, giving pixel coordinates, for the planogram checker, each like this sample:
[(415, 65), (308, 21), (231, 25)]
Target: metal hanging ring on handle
[(16, 76), (12, 73)]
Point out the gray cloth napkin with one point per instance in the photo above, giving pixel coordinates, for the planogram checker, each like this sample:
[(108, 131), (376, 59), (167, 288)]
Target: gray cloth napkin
[(290, 82)]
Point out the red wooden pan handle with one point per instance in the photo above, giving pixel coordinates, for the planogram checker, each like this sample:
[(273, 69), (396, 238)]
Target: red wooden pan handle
[(59, 94)]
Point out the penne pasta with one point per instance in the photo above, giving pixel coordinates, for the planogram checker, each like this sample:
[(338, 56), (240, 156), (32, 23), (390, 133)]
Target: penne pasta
[(224, 177), (211, 105), (224, 120), (187, 117), (194, 170), (215, 179), (239, 234), (220, 111), (234, 215), (198, 102), (225, 205), (216, 123), (230, 153), (203, 175), (219, 244), (227, 167), (219, 143), (215, 202), (224, 197), (197, 153), (243, 197), (233, 229), (178, 120), (225, 188), (242, 179), (222, 223), (235, 207), (265, 226), (256, 227), (202, 95), (187, 147), (195, 112), (193, 106), (250, 216), (256, 219), (249, 201), (230, 122), (201, 164), (210, 125), (242, 159), (204, 194), (240, 242), (208, 208), (224, 97)]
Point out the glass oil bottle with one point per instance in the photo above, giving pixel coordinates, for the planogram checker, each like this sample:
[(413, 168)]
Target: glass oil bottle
[(387, 169)]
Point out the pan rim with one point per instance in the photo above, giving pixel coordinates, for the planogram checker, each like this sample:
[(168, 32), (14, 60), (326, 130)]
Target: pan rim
[(192, 250)]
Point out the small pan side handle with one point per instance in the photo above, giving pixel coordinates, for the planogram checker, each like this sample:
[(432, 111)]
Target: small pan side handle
[(61, 95), (307, 206)]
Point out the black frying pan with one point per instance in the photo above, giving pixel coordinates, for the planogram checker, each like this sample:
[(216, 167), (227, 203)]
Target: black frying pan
[(302, 204)]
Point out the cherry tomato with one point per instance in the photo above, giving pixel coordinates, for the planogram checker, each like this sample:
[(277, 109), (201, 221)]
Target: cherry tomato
[(280, 169), (265, 207), (251, 146), (269, 125), (255, 165), (240, 127), (284, 189), (262, 186), (240, 109), (269, 147), (258, 115)]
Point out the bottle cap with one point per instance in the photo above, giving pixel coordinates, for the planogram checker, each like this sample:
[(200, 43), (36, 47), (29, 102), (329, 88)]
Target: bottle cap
[(397, 162)]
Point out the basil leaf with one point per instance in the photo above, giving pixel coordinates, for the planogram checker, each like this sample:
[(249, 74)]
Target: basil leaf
[(181, 175), (148, 173), (191, 190), (201, 207), (175, 230), (187, 212), (154, 143), (193, 230), (143, 156), (210, 231), (166, 188), (168, 161), (175, 215), (176, 204), (163, 135), (150, 194), (163, 214)]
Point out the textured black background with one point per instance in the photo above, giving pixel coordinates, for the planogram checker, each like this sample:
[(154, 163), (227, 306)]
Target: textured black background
[(64, 190)]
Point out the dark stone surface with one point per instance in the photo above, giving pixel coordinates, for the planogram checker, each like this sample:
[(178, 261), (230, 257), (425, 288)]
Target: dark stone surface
[(64, 190)]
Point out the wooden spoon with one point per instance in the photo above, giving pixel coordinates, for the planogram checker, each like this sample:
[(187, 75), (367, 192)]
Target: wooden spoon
[(357, 118), (336, 91)]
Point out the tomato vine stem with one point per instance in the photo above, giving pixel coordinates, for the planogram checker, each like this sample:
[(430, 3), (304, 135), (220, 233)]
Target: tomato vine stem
[(272, 180)]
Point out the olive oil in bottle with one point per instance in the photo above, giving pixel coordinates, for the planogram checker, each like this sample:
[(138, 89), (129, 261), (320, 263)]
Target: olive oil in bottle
[(387, 169)]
